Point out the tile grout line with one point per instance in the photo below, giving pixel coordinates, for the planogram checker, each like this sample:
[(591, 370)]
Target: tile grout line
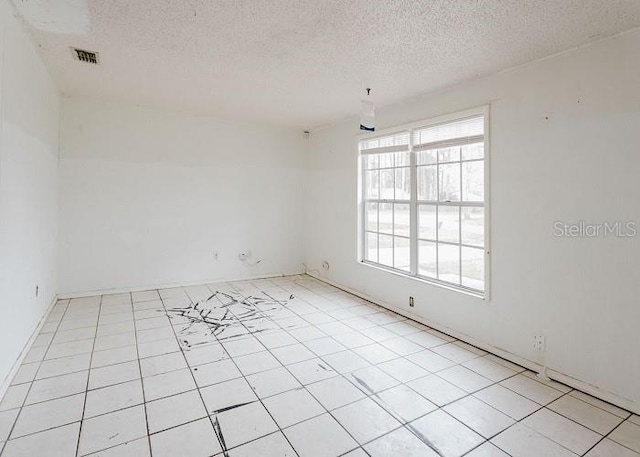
[(144, 399)]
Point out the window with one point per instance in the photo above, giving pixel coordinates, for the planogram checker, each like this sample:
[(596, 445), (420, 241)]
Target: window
[(423, 201)]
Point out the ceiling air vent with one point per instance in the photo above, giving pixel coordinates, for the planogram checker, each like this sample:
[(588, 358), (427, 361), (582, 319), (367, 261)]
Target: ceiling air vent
[(85, 56)]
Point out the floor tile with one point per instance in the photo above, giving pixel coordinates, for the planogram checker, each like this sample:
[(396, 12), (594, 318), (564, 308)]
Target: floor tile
[(437, 390), (371, 380), (426, 339), (49, 414), (112, 429), (66, 336), (402, 346), (205, 354), (113, 374), (153, 348), (14, 396), (195, 439), (345, 361), (114, 356), (532, 389), (56, 442), (112, 398), (335, 392), (430, 361), (271, 382), (256, 362), (324, 346), (585, 414), (292, 354), (152, 366), (65, 365), (227, 394), (321, 436), (274, 445), (449, 436), (507, 401), (59, 386), (57, 351), (608, 448), (375, 353), (404, 403), (487, 450), (291, 407), (213, 373), (479, 416), (176, 410), (312, 370), (627, 434), (166, 384), (243, 346), (403, 370), (454, 352), (521, 441), (563, 431), (400, 442), (7, 419), (489, 369), (365, 420), (244, 423), (26, 373)]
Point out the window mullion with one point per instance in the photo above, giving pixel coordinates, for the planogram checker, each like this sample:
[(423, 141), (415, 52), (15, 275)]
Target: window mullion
[(413, 209)]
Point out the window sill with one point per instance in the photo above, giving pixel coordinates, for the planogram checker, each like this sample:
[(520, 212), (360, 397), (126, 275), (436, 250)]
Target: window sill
[(423, 280)]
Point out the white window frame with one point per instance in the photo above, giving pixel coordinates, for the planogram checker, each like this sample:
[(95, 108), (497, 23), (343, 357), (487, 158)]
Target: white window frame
[(361, 225)]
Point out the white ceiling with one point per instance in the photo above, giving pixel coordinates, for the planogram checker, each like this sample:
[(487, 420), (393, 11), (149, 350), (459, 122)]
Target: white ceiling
[(301, 63)]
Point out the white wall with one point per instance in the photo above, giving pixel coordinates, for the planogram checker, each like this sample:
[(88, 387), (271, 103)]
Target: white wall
[(29, 104), (582, 163), (147, 196)]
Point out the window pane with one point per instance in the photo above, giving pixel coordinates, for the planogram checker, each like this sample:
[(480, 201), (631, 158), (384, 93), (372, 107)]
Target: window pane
[(386, 184), (427, 183), (401, 254), (449, 154), (403, 183), (371, 184), (371, 247), (473, 268), (427, 157), (402, 159), (427, 259), (371, 217), (449, 224), (449, 263), (401, 221), (385, 160), (473, 151), (370, 161), (385, 250), (473, 181), (473, 226), (385, 218), (427, 222), (449, 177)]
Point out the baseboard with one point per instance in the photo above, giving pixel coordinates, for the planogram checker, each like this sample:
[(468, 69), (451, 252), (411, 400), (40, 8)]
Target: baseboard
[(199, 282), (16, 365), (533, 366)]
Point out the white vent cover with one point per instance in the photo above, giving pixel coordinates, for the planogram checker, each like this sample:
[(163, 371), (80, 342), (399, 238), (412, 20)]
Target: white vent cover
[(83, 55)]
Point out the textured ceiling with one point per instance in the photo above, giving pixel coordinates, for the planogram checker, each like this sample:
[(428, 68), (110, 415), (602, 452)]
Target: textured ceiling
[(301, 63)]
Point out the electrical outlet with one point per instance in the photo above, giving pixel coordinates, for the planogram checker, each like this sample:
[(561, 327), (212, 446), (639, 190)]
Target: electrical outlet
[(411, 303), (539, 342)]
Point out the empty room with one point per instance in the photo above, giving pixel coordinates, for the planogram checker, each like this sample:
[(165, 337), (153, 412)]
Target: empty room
[(319, 228)]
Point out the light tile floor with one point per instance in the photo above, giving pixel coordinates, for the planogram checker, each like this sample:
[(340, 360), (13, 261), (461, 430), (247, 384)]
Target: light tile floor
[(283, 367)]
